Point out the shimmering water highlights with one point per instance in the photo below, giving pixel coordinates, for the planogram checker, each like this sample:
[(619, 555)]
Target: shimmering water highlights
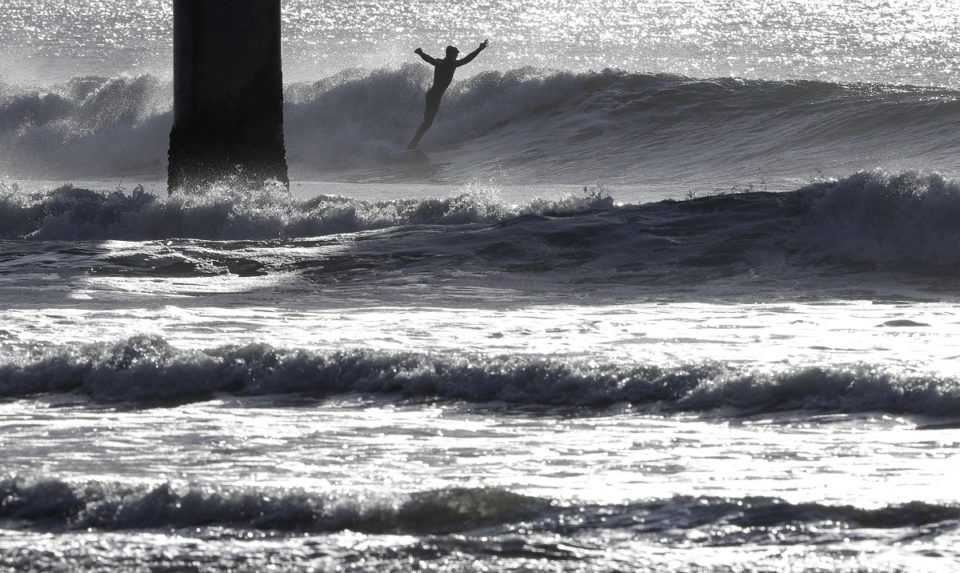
[(475, 362), (912, 41)]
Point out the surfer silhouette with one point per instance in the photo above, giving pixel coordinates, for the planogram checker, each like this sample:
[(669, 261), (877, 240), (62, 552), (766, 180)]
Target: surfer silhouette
[(442, 77)]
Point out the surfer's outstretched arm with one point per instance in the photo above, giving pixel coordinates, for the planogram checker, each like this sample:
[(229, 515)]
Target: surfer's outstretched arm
[(430, 60), (469, 57)]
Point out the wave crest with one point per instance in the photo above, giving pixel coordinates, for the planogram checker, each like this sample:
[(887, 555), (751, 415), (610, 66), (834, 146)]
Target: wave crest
[(870, 221), (120, 507), (55, 504), (520, 125), (230, 211), (148, 369), (882, 219), (91, 127)]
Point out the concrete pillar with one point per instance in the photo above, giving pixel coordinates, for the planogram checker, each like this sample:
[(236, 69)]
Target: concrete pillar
[(228, 93)]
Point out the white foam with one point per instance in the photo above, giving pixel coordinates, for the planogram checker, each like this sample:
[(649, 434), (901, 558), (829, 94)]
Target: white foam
[(148, 369), (524, 125)]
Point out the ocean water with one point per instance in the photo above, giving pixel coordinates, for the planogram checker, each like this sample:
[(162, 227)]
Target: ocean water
[(675, 290)]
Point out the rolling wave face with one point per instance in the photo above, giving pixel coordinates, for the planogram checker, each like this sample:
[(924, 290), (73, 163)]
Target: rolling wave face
[(869, 221), (55, 504), (149, 370), (534, 125), (522, 125)]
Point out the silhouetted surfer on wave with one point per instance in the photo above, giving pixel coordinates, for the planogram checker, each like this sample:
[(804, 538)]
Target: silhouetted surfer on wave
[(442, 77)]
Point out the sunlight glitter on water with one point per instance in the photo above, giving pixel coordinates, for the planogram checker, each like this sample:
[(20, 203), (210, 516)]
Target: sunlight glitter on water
[(773, 337), (361, 446), (862, 40)]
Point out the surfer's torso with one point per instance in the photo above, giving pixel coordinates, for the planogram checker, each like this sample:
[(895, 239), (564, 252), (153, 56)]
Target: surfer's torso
[(443, 75)]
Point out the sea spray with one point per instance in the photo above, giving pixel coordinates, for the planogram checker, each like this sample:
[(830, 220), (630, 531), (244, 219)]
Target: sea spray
[(523, 125), (894, 222)]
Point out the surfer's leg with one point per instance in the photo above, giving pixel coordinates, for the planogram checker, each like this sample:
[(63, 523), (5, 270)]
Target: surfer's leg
[(429, 114)]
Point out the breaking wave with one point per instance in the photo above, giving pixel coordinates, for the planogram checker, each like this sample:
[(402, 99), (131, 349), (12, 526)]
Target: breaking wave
[(539, 125), (56, 504), (869, 221), (90, 127), (521, 125), (231, 212), (149, 370), (115, 506)]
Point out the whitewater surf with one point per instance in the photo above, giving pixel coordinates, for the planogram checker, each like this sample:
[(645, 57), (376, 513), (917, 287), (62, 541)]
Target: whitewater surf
[(675, 290), (526, 126)]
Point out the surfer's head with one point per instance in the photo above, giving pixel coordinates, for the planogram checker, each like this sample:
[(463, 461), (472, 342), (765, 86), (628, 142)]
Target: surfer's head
[(452, 52)]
